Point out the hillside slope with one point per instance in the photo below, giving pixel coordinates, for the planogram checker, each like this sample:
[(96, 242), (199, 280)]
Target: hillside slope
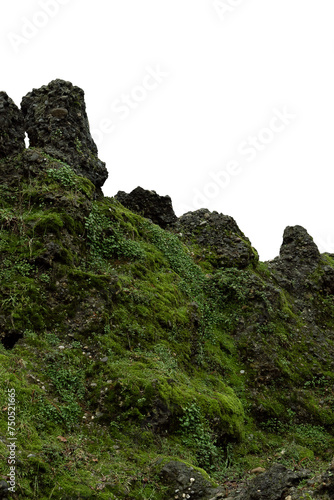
[(138, 352)]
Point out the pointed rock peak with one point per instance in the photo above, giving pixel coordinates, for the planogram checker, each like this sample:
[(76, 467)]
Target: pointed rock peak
[(298, 245), (56, 121), (299, 256), (11, 127)]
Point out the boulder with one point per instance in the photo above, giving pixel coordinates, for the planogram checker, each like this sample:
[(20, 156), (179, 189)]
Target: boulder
[(149, 204), (274, 484), (186, 482), (11, 127), (225, 244), (56, 121)]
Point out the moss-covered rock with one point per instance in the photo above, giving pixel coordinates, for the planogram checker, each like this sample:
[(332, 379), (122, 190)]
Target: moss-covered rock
[(184, 481), (219, 239), (130, 346)]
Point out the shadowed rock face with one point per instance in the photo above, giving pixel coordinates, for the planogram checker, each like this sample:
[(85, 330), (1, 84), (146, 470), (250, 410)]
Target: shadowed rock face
[(11, 127), (56, 121), (149, 204)]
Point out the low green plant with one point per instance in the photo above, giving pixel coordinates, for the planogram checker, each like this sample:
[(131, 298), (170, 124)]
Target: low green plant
[(63, 174), (49, 413), (10, 220), (197, 435), (316, 381), (52, 338), (68, 381), (107, 239), (45, 278), (312, 436), (178, 258)]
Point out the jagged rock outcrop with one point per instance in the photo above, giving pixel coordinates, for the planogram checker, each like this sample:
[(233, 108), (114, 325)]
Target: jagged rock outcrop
[(11, 127), (56, 121), (226, 245), (299, 256), (149, 204), (298, 249), (186, 482)]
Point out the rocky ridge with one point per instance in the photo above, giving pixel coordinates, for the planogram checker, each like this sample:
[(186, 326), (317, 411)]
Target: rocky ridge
[(146, 349)]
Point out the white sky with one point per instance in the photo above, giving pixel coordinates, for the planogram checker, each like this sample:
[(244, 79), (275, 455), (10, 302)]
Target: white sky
[(224, 74)]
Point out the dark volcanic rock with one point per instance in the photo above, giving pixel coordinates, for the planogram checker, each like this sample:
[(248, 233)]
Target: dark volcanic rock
[(326, 487), (327, 279), (220, 234), (3, 489), (273, 485), (56, 121), (149, 204), (186, 482), (298, 248), (299, 256), (11, 127)]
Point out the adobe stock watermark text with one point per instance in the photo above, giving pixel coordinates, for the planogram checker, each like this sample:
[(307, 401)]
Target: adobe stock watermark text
[(248, 150), (32, 25), (224, 8), (128, 102)]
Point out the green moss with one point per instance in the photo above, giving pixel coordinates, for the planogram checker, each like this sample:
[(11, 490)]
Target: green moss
[(328, 259), (45, 222), (141, 383), (127, 335)]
